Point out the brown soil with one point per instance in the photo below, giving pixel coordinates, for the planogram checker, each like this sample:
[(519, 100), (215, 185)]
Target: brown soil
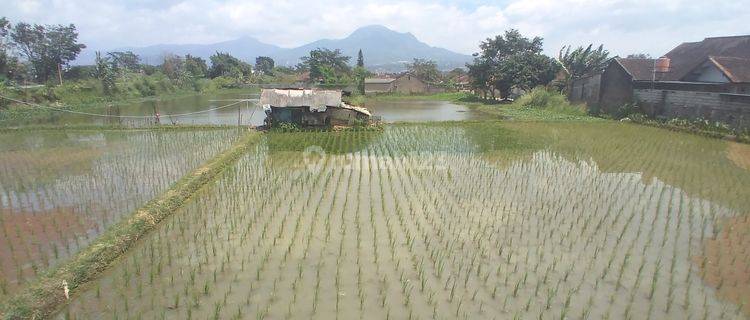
[(726, 261), (739, 154), (28, 233)]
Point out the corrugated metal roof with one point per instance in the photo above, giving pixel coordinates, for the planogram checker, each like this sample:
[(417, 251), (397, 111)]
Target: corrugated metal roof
[(300, 98)]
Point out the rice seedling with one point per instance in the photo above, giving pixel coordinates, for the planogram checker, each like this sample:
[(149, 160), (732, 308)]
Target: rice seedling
[(446, 221), (61, 189)]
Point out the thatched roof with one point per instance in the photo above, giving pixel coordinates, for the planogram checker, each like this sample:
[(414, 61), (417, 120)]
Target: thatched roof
[(282, 98)]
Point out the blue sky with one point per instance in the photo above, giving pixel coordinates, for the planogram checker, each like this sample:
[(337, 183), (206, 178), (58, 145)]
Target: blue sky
[(623, 26)]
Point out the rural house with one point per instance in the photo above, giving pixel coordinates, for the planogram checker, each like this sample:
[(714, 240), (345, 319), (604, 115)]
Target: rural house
[(310, 108), (405, 83), (709, 79)]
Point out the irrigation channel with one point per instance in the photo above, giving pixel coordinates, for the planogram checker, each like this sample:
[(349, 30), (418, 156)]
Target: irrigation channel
[(444, 220)]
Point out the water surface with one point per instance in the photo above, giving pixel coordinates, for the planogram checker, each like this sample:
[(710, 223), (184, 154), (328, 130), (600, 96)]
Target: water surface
[(246, 113), (409, 110)]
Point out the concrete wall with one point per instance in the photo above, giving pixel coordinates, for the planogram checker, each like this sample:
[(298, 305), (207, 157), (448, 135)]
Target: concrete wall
[(739, 88), (732, 109), (616, 89), (585, 90)]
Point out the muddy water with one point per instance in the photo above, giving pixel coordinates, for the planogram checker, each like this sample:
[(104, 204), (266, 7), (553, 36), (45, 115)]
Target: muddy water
[(442, 221)]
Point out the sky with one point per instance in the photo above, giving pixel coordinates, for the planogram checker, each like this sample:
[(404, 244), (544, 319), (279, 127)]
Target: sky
[(622, 26)]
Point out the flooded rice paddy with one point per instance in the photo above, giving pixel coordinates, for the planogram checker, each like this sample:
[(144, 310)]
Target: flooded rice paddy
[(443, 221), (60, 189)]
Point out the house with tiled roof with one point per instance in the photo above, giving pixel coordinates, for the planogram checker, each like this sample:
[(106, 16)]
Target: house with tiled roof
[(709, 79)]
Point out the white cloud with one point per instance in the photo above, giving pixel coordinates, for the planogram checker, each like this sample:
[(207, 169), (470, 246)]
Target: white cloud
[(623, 26)]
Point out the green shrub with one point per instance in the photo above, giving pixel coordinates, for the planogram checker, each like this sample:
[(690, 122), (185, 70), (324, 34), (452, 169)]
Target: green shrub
[(286, 127), (541, 98), (355, 100), (145, 87)]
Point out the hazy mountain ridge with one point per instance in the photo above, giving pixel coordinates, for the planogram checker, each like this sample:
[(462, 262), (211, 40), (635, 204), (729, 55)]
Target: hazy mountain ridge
[(383, 49)]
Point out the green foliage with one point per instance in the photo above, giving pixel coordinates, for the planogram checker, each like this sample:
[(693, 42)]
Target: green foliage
[(286, 127), (185, 72), (225, 82), (360, 59), (542, 98), (79, 72), (424, 69), (582, 61), (699, 126), (264, 65), (46, 47), (511, 60), (196, 66), (355, 100), (105, 71), (225, 65), (125, 60), (360, 73), (173, 66), (327, 66)]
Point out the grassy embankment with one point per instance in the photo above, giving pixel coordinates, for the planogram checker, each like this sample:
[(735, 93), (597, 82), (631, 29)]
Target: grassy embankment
[(42, 297)]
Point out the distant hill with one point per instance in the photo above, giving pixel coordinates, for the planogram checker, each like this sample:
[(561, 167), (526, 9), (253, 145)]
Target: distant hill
[(383, 49)]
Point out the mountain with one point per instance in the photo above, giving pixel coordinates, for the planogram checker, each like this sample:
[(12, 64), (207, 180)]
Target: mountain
[(383, 49)]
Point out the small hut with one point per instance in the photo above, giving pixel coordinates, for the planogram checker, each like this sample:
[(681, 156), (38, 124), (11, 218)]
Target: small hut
[(307, 107)]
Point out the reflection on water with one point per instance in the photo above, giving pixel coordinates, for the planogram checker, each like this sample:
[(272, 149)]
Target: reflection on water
[(420, 110)]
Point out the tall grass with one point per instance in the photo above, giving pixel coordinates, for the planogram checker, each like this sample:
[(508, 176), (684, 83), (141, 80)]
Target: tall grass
[(543, 98)]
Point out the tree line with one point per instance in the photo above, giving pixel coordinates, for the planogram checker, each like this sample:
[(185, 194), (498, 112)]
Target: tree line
[(36, 51), (42, 53)]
